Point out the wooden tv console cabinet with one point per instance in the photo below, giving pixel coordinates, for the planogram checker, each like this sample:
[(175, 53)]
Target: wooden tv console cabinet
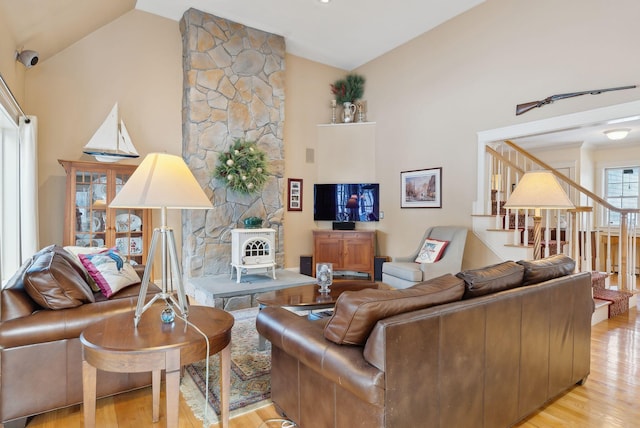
[(350, 250)]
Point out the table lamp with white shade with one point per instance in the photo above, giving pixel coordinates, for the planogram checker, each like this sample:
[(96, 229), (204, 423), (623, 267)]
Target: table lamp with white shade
[(538, 190), (162, 181)]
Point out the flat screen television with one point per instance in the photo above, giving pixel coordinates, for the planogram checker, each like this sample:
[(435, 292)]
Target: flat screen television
[(346, 202)]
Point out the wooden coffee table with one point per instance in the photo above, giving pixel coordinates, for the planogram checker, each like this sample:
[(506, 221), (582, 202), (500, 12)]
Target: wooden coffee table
[(308, 297), (115, 345)]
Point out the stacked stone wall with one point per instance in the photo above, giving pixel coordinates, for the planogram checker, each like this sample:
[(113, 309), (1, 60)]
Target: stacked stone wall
[(233, 88)]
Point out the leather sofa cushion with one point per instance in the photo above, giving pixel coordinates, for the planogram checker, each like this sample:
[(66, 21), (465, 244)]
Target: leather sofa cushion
[(54, 283), (70, 258), (356, 312), (491, 279), (15, 302), (551, 267)]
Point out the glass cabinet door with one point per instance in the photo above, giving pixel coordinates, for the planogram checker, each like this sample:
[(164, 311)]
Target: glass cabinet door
[(91, 209), (89, 222), (128, 226)]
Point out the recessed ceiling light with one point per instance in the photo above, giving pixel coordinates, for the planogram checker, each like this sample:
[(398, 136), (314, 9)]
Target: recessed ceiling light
[(617, 134), (325, 1)]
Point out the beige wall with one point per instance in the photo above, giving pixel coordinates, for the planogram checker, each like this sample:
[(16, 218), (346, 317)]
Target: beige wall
[(429, 98), (432, 95), (11, 70), (587, 169), (307, 104), (135, 61)]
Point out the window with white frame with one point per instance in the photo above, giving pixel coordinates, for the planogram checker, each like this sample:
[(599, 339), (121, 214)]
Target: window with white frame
[(18, 184), (621, 190), (9, 196)]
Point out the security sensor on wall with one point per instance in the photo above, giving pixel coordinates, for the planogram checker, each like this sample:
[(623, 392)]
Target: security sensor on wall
[(27, 58)]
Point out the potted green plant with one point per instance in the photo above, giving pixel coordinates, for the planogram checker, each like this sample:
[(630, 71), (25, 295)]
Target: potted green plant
[(252, 223), (347, 91)]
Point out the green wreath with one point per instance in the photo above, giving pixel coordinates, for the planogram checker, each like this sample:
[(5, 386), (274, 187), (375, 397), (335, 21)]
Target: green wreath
[(243, 168)]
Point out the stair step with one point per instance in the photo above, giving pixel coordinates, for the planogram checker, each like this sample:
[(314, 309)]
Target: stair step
[(619, 300), (601, 311)]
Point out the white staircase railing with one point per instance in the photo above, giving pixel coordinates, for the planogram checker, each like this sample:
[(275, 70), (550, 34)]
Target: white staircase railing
[(585, 233)]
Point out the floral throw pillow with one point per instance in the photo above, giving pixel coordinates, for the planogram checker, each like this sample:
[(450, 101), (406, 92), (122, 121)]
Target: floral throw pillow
[(109, 270), (431, 250), (75, 251)]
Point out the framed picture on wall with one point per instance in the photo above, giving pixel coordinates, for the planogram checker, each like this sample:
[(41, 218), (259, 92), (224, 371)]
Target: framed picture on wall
[(421, 188), (295, 194)]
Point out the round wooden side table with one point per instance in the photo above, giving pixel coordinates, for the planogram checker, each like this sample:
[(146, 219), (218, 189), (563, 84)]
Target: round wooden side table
[(115, 345)]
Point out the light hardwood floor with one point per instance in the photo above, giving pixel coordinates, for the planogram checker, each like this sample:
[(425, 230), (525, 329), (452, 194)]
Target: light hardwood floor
[(610, 398)]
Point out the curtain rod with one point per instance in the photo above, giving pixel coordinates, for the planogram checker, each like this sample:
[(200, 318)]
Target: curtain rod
[(13, 99)]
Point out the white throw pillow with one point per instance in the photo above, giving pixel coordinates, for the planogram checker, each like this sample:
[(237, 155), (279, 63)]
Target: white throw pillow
[(110, 271), (75, 251), (431, 250)]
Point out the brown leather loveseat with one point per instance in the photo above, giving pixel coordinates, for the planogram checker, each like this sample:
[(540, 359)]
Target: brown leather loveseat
[(40, 351), (484, 348)]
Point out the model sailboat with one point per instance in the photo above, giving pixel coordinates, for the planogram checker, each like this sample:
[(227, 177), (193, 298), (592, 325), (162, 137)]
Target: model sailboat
[(111, 143)]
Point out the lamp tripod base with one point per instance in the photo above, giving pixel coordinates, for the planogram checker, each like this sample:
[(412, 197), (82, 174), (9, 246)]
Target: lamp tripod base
[(170, 303), (180, 306)]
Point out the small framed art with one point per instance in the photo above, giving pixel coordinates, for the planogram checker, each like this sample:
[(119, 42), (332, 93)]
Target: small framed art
[(295, 194), (421, 188)]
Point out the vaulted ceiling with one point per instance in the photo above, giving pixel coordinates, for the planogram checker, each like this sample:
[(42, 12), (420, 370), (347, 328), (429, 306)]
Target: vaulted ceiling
[(340, 33)]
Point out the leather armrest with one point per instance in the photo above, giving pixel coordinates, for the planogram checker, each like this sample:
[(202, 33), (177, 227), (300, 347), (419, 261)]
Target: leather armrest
[(303, 339), (50, 325)]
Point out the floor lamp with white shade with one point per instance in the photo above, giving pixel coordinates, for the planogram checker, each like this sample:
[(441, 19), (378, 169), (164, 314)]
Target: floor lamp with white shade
[(162, 181), (538, 190)]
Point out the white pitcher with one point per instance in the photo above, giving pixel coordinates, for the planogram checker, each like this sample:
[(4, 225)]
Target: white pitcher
[(348, 112)]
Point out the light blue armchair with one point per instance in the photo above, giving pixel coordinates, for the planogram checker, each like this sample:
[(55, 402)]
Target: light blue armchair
[(403, 272)]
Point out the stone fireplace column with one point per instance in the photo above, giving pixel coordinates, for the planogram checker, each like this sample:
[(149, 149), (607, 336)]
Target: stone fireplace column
[(233, 88)]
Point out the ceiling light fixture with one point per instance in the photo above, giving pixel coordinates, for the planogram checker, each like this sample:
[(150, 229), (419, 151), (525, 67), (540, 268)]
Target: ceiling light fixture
[(325, 1), (617, 134)]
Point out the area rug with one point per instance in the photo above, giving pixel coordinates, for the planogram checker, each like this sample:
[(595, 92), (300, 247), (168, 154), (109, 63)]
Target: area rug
[(250, 373)]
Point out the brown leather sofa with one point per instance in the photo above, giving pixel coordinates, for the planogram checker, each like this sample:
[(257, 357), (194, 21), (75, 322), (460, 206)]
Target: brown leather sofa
[(511, 338), (40, 351)]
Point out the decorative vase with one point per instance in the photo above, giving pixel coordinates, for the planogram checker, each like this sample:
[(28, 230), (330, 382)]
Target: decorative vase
[(324, 276), (361, 113), (333, 111), (348, 112), (167, 315)]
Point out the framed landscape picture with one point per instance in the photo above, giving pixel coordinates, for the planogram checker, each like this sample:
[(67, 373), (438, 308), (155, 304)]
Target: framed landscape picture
[(421, 188), (295, 194)]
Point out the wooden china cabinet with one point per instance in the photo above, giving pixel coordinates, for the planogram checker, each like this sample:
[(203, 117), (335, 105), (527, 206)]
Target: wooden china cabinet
[(88, 220)]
